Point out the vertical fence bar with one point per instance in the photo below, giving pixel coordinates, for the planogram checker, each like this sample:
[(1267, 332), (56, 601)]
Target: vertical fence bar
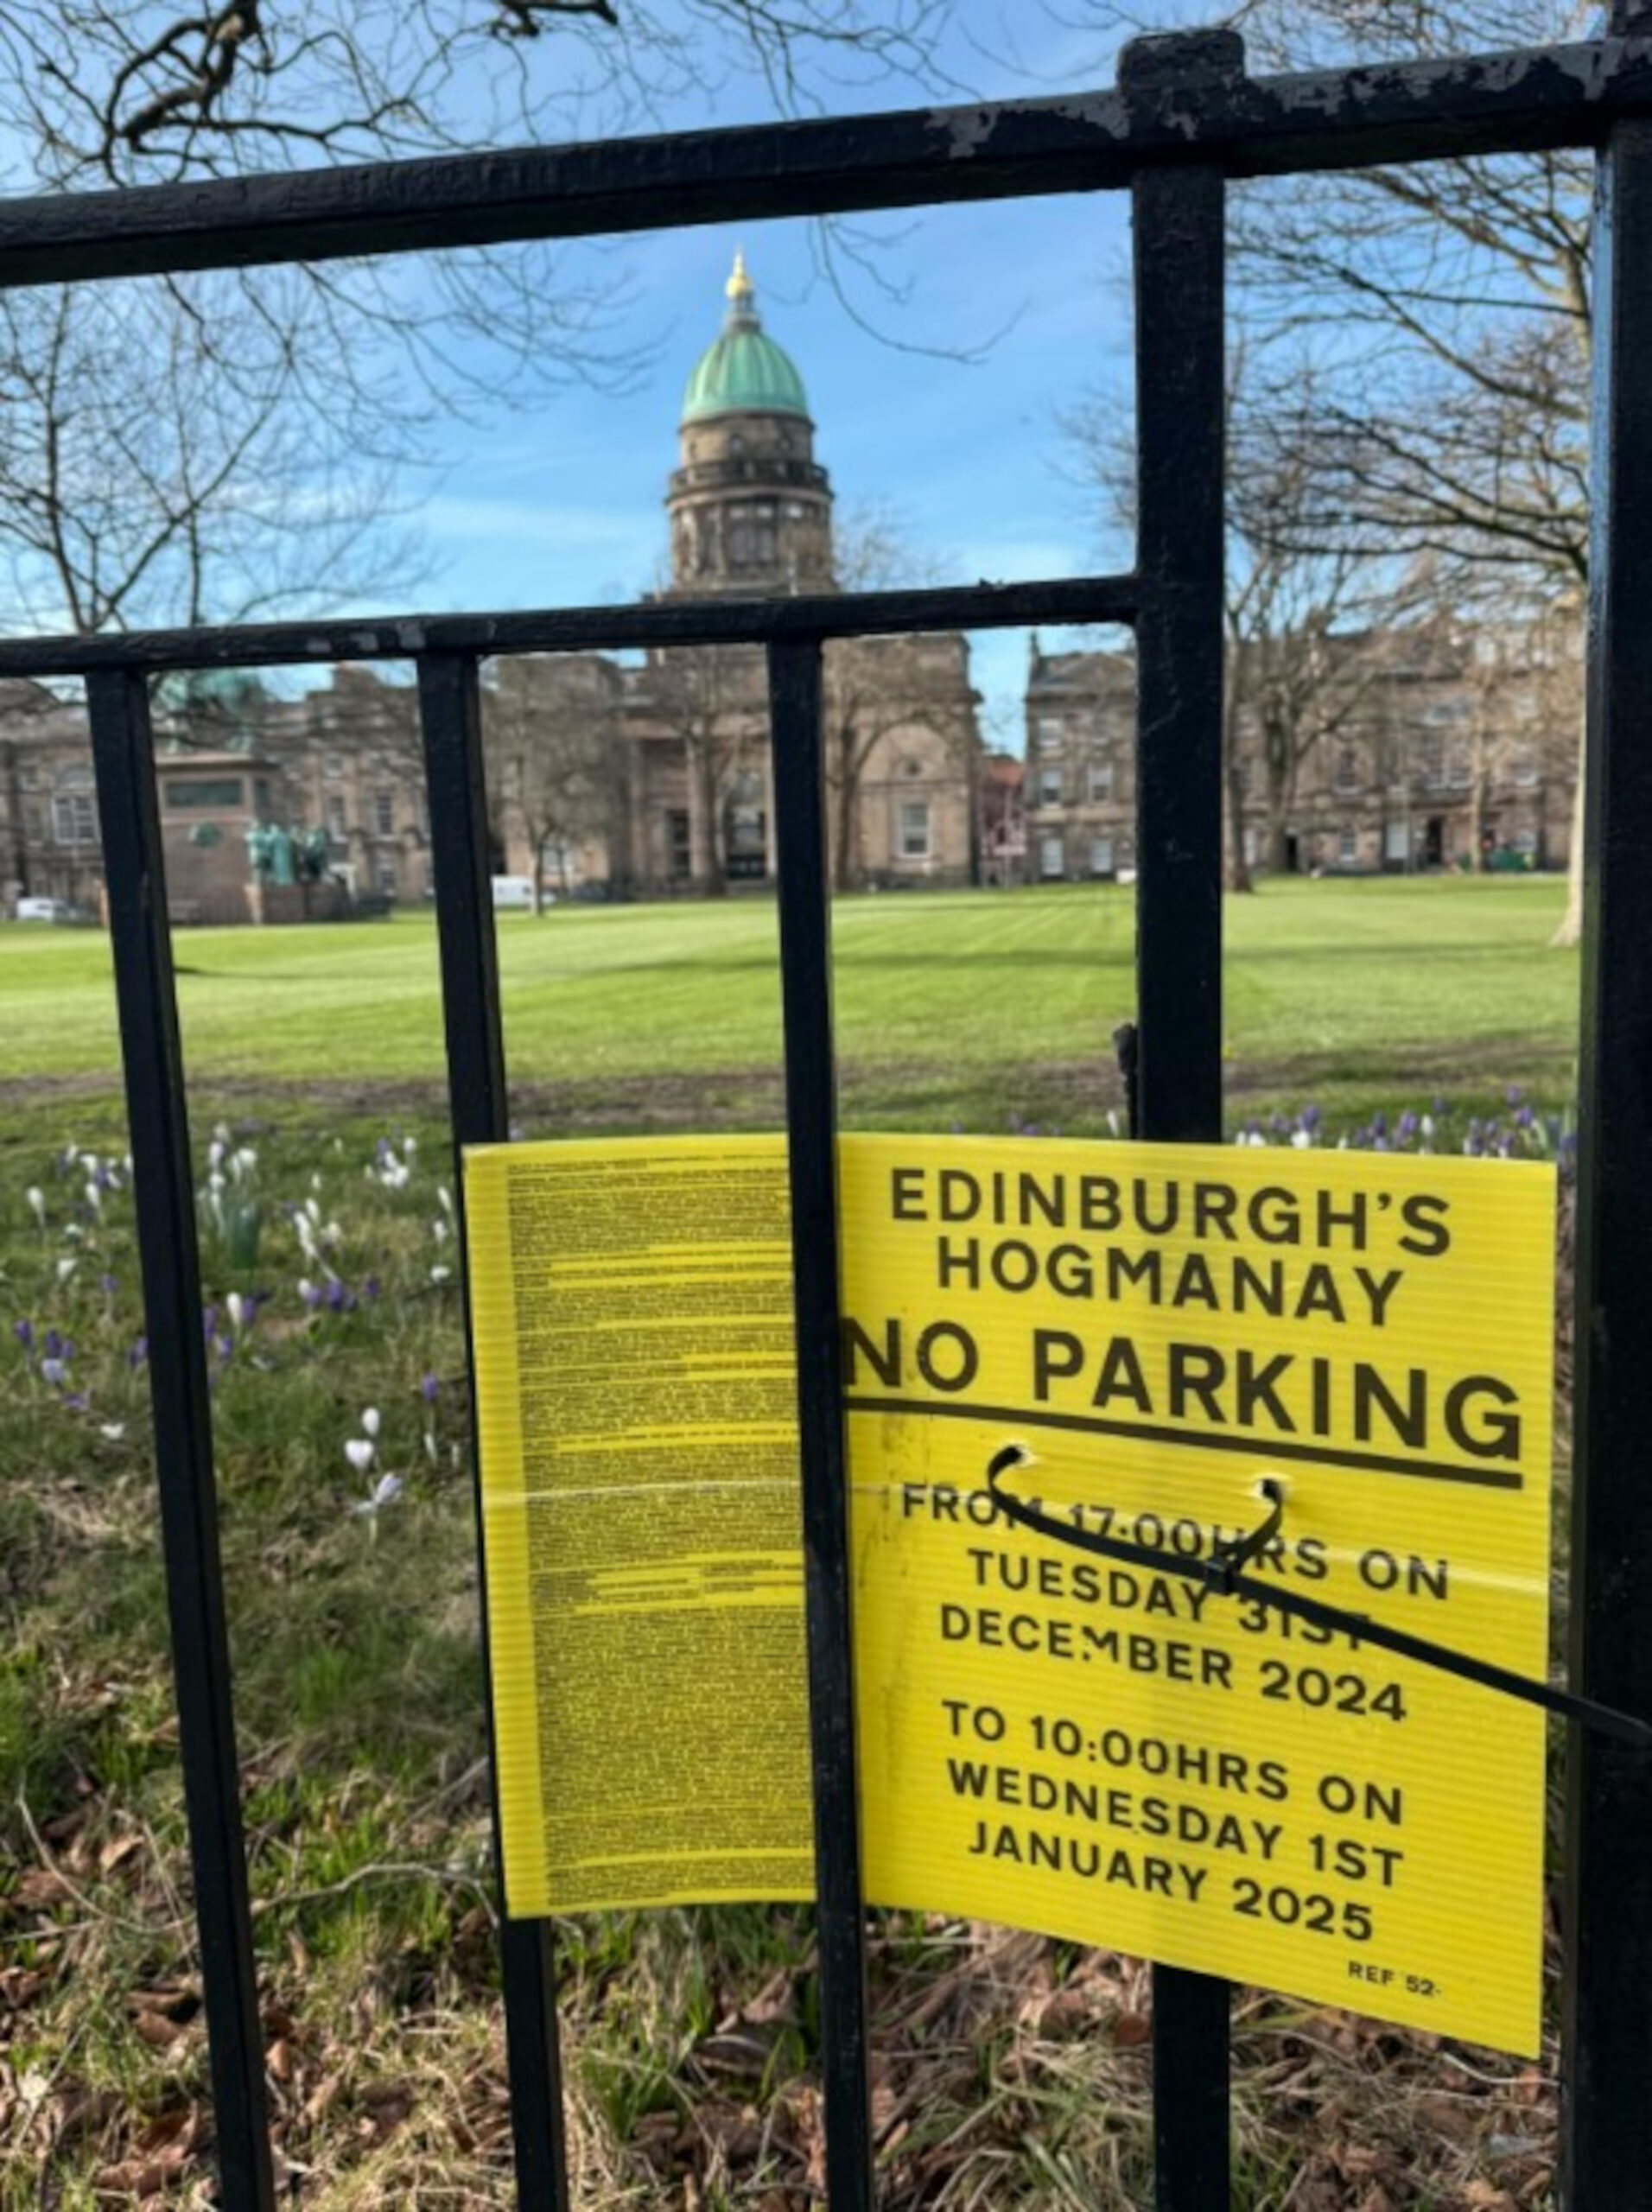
[(450, 717), (1607, 2124), (1179, 263), (811, 1132), (123, 749)]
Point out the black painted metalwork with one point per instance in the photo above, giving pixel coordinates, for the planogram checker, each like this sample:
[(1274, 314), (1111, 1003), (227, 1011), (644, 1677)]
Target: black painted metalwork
[(450, 716), (1183, 119), (1607, 2138), (1419, 111), (654, 622), (812, 1133), (163, 1191), (1179, 259)]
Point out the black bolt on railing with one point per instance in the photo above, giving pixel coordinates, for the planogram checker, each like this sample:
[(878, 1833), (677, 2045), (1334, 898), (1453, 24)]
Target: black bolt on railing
[(1184, 121)]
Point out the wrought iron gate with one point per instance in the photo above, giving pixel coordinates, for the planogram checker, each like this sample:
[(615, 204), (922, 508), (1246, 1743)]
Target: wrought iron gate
[(1183, 119)]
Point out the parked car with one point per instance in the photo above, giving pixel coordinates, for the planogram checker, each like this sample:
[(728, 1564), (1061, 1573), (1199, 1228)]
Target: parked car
[(44, 910)]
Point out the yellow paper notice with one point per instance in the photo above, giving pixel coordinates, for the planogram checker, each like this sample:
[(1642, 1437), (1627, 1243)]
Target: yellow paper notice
[(632, 1325), (1106, 1752)]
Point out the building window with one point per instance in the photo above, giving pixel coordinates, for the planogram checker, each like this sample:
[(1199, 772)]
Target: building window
[(679, 851), (1053, 859), (1101, 782), (335, 828), (1048, 733), (1101, 857), (385, 813), (1048, 787), (1347, 770), (1457, 768), (1347, 848), (1525, 841), (1431, 761), (1397, 840), (72, 818), (333, 766), (914, 829), (28, 777), (1526, 766), (203, 791), (386, 877)]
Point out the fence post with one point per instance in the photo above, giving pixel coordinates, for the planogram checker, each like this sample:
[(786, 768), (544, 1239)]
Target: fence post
[(450, 720), (1606, 2149), (1180, 257), (164, 1191), (812, 1153)]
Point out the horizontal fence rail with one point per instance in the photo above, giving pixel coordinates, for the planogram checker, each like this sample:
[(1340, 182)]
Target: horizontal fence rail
[(1184, 120), (577, 629), (1486, 104)]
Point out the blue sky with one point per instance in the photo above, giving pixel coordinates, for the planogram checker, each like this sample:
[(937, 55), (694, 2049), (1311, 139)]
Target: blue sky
[(944, 411)]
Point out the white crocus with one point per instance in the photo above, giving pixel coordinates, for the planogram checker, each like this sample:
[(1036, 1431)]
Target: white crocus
[(440, 1273), (359, 1453), (369, 1421), (66, 1268), (37, 1199), (237, 1306), (386, 1490)]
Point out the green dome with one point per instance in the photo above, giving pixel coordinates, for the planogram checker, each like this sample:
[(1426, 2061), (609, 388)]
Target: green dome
[(743, 371)]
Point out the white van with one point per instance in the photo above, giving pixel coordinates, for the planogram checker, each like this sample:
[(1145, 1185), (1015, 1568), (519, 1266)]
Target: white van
[(513, 893), (43, 910)]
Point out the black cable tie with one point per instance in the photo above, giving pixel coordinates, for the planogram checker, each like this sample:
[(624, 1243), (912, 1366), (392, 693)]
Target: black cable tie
[(1221, 1574)]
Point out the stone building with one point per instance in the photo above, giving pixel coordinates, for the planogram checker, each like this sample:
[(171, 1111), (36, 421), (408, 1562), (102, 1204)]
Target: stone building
[(654, 778), (634, 776), (1414, 747), (1431, 746)]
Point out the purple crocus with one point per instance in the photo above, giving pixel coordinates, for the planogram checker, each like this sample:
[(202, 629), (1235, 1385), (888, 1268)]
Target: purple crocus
[(24, 1332)]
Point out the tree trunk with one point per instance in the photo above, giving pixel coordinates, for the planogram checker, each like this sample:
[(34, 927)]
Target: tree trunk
[(19, 856), (1238, 866), (843, 869), (538, 878), (702, 803), (1571, 930)]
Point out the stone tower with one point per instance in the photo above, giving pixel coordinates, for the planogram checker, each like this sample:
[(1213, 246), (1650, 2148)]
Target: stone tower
[(751, 512)]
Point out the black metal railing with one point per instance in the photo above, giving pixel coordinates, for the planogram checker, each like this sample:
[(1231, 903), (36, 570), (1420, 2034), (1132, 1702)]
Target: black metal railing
[(1183, 120)]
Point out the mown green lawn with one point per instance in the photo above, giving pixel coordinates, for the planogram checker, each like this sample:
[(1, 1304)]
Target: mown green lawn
[(966, 1008), (1013, 2067)]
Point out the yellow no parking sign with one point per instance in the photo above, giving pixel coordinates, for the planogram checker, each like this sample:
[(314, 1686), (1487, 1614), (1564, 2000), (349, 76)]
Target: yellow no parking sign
[(1109, 1752)]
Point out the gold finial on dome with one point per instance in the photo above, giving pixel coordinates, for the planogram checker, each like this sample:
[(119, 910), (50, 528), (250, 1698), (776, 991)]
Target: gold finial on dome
[(739, 286)]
